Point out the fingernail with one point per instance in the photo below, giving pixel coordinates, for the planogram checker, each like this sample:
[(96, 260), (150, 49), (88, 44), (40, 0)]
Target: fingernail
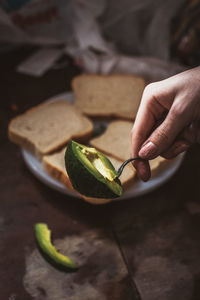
[(148, 150)]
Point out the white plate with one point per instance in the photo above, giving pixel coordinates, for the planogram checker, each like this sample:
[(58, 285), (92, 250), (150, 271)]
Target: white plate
[(138, 188)]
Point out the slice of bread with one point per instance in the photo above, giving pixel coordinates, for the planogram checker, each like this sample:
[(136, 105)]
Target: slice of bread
[(49, 126), (159, 164), (116, 95), (116, 142), (54, 165)]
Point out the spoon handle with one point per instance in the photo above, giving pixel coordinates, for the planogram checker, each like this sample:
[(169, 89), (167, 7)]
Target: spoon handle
[(119, 172)]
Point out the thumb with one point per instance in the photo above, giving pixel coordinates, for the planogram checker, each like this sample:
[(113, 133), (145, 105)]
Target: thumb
[(163, 136)]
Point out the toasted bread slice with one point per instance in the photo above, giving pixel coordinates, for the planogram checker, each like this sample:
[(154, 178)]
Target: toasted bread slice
[(115, 141), (54, 165), (48, 126), (115, 95)]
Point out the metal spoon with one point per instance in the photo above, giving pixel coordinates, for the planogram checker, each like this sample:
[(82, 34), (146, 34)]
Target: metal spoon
[(121, 168)]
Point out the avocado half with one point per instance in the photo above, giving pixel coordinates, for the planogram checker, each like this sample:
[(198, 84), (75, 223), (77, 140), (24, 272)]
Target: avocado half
[(91, 173)]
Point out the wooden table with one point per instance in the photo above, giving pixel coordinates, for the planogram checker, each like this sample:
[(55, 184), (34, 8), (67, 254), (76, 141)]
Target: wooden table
[(143, 248)]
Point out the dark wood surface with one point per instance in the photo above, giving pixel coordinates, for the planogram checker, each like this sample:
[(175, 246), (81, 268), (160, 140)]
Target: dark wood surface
[(143, 248)]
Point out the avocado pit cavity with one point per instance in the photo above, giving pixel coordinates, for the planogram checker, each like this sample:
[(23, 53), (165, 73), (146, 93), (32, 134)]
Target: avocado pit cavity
[(92, 155)]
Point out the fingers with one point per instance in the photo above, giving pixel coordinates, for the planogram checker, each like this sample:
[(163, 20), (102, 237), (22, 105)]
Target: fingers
[(192, 132), (149, 112), (143, 169), (189, 136), (164, 135), (177, 148)]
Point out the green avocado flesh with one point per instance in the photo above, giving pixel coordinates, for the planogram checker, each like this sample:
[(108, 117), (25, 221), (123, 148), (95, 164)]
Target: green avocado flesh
[(90, 172), (43, 237)]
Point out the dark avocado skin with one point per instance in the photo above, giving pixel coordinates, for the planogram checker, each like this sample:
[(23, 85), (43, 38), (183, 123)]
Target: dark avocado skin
[(82, 181)]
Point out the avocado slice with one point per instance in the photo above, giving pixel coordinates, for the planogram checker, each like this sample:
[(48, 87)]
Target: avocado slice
[(43, 237), (91, 172)]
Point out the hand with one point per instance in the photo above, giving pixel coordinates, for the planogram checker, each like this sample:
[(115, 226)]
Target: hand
[(168, 119)]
